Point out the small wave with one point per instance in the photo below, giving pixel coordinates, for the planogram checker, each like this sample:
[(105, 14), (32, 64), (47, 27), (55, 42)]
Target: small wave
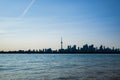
[(64, 66), (68, 78), (27, 69), (34, 61), (1, 65), (4, 69), (8, 66)]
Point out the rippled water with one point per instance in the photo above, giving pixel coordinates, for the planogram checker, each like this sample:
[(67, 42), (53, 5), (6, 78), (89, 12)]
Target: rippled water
[(59, 66)]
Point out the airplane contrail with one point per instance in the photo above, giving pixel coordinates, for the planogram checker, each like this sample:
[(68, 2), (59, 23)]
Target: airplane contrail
[(27, 8)]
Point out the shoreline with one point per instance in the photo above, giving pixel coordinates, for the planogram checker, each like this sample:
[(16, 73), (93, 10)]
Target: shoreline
[(59, 53)]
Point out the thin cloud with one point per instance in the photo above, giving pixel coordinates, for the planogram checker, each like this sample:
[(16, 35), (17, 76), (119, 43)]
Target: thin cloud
[(27, 8)]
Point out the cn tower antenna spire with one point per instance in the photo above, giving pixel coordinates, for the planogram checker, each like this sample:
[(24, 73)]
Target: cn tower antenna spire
[(61, 43)]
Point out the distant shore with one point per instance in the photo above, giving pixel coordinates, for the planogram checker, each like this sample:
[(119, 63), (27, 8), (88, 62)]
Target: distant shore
[(59, 52)]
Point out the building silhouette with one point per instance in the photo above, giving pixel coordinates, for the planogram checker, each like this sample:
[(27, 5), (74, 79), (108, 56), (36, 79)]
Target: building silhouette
[(71, 49)]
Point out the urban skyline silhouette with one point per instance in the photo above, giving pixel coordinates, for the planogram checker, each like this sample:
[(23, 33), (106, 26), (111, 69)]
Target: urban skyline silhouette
[(70, 49)]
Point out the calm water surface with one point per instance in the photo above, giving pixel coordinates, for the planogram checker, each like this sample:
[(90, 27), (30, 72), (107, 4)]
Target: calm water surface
[(59, 66)]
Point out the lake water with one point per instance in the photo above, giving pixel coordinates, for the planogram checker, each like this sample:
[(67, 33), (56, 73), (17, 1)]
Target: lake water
[(59, 66)]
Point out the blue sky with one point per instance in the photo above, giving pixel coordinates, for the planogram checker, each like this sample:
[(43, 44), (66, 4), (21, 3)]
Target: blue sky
[(37, 24)]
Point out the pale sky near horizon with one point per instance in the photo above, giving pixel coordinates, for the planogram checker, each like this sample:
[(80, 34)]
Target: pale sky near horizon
[(38, 24)]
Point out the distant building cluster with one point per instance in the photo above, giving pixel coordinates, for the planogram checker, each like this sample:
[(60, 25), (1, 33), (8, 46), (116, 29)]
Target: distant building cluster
[(71, 49), (89, 49)]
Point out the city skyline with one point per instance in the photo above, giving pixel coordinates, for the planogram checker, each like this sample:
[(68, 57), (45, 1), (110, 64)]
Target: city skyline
[(86, 48), (37, 24)]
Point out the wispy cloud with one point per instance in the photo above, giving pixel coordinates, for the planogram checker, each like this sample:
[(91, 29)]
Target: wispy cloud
[(27, 8)]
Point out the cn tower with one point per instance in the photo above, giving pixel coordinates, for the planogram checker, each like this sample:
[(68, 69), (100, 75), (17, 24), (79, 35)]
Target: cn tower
[(61, 44)]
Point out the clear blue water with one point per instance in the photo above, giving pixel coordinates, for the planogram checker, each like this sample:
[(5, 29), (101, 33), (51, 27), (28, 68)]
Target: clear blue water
[(59, 66)]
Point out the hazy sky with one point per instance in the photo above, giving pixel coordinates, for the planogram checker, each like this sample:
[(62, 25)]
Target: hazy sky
[(37, 24)]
